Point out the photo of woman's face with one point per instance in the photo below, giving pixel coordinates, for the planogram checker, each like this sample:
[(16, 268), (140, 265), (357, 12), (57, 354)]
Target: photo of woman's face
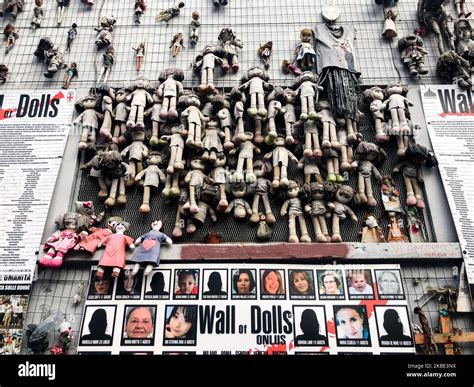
[(102, 285), (389, 283), (351, 323), (243, 284), (272, 284), (330, 284), (301, 283), (178, 326)]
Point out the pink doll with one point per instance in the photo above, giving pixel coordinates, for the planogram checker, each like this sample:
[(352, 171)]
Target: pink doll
[(260, 190), (88, 120), (222, 108), (294, 209), (121, 113), (239, 99), (340, 209), (152, 175), (317, 208), (220, 176), (207, 61), (229, 44), (212, 142), (89, 242), (195, 179), (156, 121), (376, 96), (397, 104), (193, 120), (176, 145), (170, 90), (62, 241), (308, 91), (149, 251), (255, 83), (114, 255), (329, 126), (240, 206), (369, 154), (139, 99), (280, 156), (135, 153), (246, 152)]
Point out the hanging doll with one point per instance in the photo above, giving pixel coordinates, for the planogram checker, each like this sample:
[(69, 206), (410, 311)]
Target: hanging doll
[(88, 120), (64, 340), (62, 241), (340, 209), (331, 158), (3, 73), (139, 54), (415, 156), (255, 83), (139, 99), (170, 90), (329, 126), (280, 156), (369, 154), (346, 159), (114, 255), (177, 43), (193, 120), (390, 195), (212, 144), (38, 15), (71, 35), (176, 146), (120, 114), (136, 152), (199, 218), (104, 36), (264, 230), (238, 99), (416, 228), (167, 14), (114, 173), (246, 152), (11, 35), (90, 242), (220, 176), (454, 68), (389, 28), (71, 72), (413, 54), (289, 114), (281, 101), (240, 206), (62, 5), (206, 61), (12, 6), (308, 91), (106, 102), (179, 223), (264, 51), (376, 95), (156, 122), (397, 104), (93, 164), (312, 148), (260, 190), (108, 61), (194, 28), (317, 208), (221, 106), (140, 7), (152, 175), (395, 229), (305, 56), (372, 232), (52, 57), (229, 44), (274, 108), (195, 180), (310, 167), (293, 207), (149, 251)]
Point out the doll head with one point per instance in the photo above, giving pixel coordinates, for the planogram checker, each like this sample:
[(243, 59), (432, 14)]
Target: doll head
[(157, 225), (317, 191), (176, 74), (344, 194), (279, 141), (89, 102), (418, 154), (462, 28), (289, 95), (141, 83), (107, 21), (239, 190), (38, 3), (154, 158), (226, 35), (110, 50), (197, 163), (193, 100), (195, 15), (306, 35), (293, 189), (71, 221), (323, 105), (374, 93), (371, 221), (121, 227), (208, 49), (371, 152), (396, 88), (220, 101), (261, 168), (237, 95), (221, 160), (121, 95), (307, 76), (254, 72), (212, 124), (248, 136), (112, 222)]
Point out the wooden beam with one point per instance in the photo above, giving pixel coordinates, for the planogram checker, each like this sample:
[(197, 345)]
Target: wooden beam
[(443, 338)]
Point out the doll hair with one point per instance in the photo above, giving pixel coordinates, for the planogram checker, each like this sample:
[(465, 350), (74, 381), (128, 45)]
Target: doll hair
[(369, 93), (366, 147), (417, 150), (404, 88), (125, 224), (178, 74), (82, 221), (236, 277), (253, 72)]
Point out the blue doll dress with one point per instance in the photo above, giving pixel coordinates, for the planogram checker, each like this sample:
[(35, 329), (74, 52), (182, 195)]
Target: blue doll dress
[(149, 250)]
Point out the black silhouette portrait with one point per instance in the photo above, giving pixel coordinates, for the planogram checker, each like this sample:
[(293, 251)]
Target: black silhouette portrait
[(97, 327), (214, 283), (310, 326), (394, 327), (157, 285)]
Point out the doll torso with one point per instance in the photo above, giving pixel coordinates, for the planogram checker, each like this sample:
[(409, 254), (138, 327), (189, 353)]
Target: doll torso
[(152, 176), (114, 254), (90, 242), (67, 240), (295, 207), (149, 250), (212, 140), (318, 207), (121, 112)]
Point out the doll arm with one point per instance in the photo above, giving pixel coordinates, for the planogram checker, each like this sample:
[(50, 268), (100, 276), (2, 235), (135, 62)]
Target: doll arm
[(268, 156), (125, 151), (140, 175), (129, 97), (284, 208), (131, 245), (213, 215), (398, 167), (198, 64), (419, 175), (126, 169), (54, 237), (248, 208), (307, 209), (149, 98), (256, 149), (203, 117), (244, 86), (292, 157), (331, 206), (87, 165), (230, 207), (161, 176), (139, 240), (79, 118), (408, 102), (300, 163), (233, 151), (159, 92), (180, 89), (351, 213), (267, 86), (187, 179), (218, 60), (376, 173)]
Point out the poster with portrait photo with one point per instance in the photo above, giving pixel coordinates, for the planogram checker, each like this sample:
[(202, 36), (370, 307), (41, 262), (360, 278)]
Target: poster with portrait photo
[(309, 326), (214, 284), (98, 325), (186, 284), (389, 284), (139, 325), (301, 284), (100, 288), (272, 284), (359, 284), (393, 326), (157, 285), (180, 325), (244, 284), (331, 284), (352, 326), (129, 287)]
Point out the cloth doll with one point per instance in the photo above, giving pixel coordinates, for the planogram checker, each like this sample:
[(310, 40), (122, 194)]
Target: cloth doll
[(3, 73), (260, 190), (369, 154), (106, 102), (465, 43), (264, 230), (167, 14), (139, 98), (340, 210), (372, 232), (38, 15), (329, 126), (220, 176), (293, 207), (152, 175), (376, 97), (11, 36), (90, 242), (245, 152), (104, 36), (195, 180), (88, 120), (206, 62), (135, 153), (255, 82), (239, 100), (454, 68), (12, 6), (310, 167), (114, 173), (170, 90), (176, 145), (108, 61), (156, 122), (241, 208), (346, 153), (194, 28), (193, 120), (289, 114), (274, 108), (317, 208), (397, 104), (99, 149), (120, 113), (308, 91), (212, 144), (413, 54), (222, 108), (229, 45), (149, 251), (389, 28), (199, 218), (312, 147), (280, 157)]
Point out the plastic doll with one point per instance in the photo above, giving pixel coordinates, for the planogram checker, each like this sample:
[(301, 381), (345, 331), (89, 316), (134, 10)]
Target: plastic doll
[(246, 152), (308, 92), (280, 156), (3, 73), (90, 242), (293, 207), (114, 255), (389, 29), (211, 142), (153, 176), (264, 51), (340, 209), (199, 218), (176, 145), (195, 180), (207, 61), (241, 208), (71, 72), (220, 2), (11, 35), (12, 6), (397, 104), (238, 99), (454, 68), (139, 98), (62, 5), (390, 195), (62, 241), (310, 167), (317, 208), (395, 230), (260, 190), (255, 82), (167, 14), (219, 176), (149, 251), (415, 156), (177, 43), (71, 35), (416, 228), (108, 60), (194, 28), (136, 152), (376, 96), (89, 120), (170, 90), (104, 37), (329, 126), (140, 7), (222, 108), (193, 120), (120, 113), (229, 43), (372, 232), (38, 15), (369, 154), (305, 56), (54, 59), (139, 54)]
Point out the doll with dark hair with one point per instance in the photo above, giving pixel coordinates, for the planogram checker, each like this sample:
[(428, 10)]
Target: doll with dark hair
[(38, 15), (340, 210), (318, 209), (264, 51), (170, 90), (369, 155), (12, 6), (293, 207), (167, 14), (140, 7), (413, 54)]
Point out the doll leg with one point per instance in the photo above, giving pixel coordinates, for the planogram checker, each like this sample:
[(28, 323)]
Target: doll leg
[(167, 189), (139, 166), (103, 193), (203, 85), (133, 173), (284, 182), (116, 272), (223, 203), (175, 191), (250, 175), (330, 168), (262, 112), (307, 178), (239, 135), (351, 136), (84, 137), (308, 151), (178, 224), (100, 272), (344, 164), (228, 144), (380, 136), (401, 146), (210, 79), (419, 197), (194, 209), (239, 172), (312, 114), (333, 136), (213, 156), (136, 268), (350, 158), (164, 109), (122, 199), (304, 109), (362, 197), (132, 116), (289, 139), (317, 229), (170, 169), (252, 110), (178, 164), (140, 113), (371, 202), (57, 261), (145, 207), (106, 75), (324, 228), (448, 30), (258, 139), (276, 177), (339, 177), (205, 155), (190, 139), (45, 260), (411, 199), (336, 232), (403, 120), (254, 218), (110, 202), (235, 63), (272, 132), (268, 210), (198, 137), (148, 270), (225, 65), (155, 133), (326, 144), (305, 238), (293, 237)]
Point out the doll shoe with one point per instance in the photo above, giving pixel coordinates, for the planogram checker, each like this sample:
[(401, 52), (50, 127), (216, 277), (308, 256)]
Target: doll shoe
[(411, 200), (331, 177), (270, 218), (371, 202), (305, 239), (121, 200), (175, 192), (110, 202), (144, 209), (170, 170), (252, 112), (225, 68), (336, 238), (284, 183), (194, 209), (289, 140), (163, 115), (172, 114), (235, 67), (254, 218), (320, 238), (308, 152), (262, 112), (420, 204), (56, 262), (303, 116), (177, 232), (210, 87), (293, 239), (326, 144), (45, 261), (202, 87), (191, 228)]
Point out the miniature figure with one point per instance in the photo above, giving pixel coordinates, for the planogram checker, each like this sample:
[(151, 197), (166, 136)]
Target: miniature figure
[(195, 179), (12, 6), (389, 29), (454, 68), (395, 229), (90, 242), (260, 191), (294, 209), (71, 72), (11, 35), (139, 98), (211, 142), (3, 73), (329, 126), (94, 164), (206, 61), (433, 15), (416, 227), (415, 155), (220, 177), (107, 109), (176, 146), (372, 232), (390, 195), (194, 28), (240, 206), (177, 43), (397, 104), (114, 255), (115, 171), (139, 54), (199, 218), (136, 152), (245, 151), (69, 224), (166, 14), (140, 7), (179, 224), (255, 81), (104, 37), (71, 35), (264, 231), (465, 43), (312, 148), (316, 193), (332, 166), (310, 167), (153, 176), (340, 208), (89, 120), (413, 54), (229, 44), (193, 120), (280, 156), (120, 113), (38, 15), (51, 55), (220, 2), (238, 99), (222, 107), (108, 60), (375, 95), (62, 5), (305, 56), (264, 51), (369, 155), (170, 90)]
